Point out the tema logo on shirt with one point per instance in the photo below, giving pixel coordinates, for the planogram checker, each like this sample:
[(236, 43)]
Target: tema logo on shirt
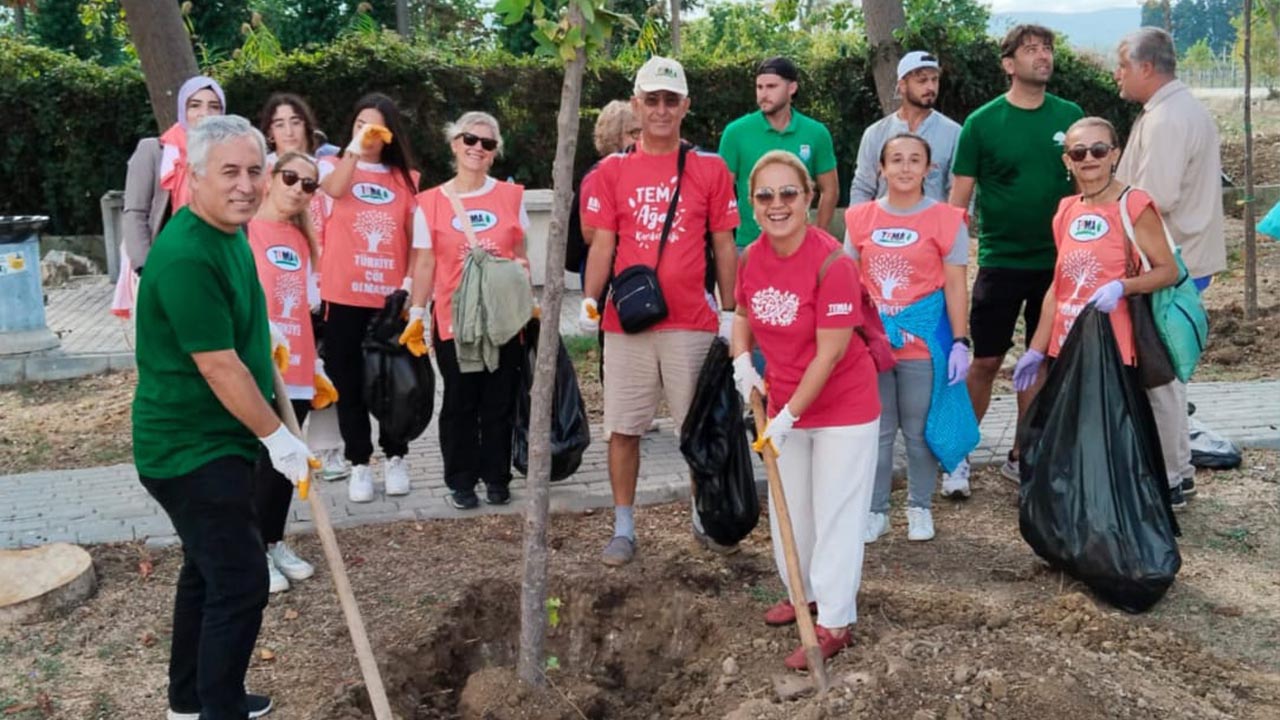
[(481, 220), (373, 193), (1087, 228), (284, 257), (894, 237), (593, 204), (837, 309), (805, 153)]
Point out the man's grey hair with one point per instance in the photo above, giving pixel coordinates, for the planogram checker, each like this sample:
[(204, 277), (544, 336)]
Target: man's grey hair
[(217, 129), (1153, 45)]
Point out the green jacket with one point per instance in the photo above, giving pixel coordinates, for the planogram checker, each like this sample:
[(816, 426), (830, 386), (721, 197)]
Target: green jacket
[(492, 304)]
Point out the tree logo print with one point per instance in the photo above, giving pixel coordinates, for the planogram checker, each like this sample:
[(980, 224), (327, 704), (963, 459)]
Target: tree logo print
[(775, 307), (376, 228), (289, 291), (484, 243), (889, 271), (1081, 268)]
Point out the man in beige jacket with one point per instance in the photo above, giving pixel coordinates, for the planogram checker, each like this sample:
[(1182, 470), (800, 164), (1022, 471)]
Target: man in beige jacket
[(1173, 154)]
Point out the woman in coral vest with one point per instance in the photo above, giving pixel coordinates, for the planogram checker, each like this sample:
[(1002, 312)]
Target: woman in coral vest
[(799, 298), (1097, 262), (911, 252), (282, 240), (369, 213), (479, 407)]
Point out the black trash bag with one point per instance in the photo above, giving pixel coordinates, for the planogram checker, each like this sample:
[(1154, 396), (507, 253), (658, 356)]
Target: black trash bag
[(399, 389), (1211, 450), (570, 434), (714, 443), (1094, 499)]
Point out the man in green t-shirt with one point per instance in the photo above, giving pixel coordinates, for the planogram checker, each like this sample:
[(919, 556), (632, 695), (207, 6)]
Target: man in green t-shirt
[(778, 126), (1011, 150), (200, 412)]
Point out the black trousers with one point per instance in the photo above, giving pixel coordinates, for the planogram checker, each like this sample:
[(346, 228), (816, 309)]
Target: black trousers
[(272, 493), (344, 330), (476, 417), (222, 586)]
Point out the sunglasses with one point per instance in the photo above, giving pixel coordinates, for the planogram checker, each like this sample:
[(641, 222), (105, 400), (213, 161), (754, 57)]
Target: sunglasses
[(669, 99), (788, 193), (291, 178), (1097, 150), (489, 144)]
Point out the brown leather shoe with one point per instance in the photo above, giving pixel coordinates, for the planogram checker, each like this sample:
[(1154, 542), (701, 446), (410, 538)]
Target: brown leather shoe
[(828, 643), (784, 613)]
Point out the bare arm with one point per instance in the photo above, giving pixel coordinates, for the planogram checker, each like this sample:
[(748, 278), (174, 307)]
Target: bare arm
[(741, 339), (337, 183), (235, 388), (726, 256), (961, 191), (832, 344), (828, 194), (599, 260), (1149, 232), (955, 289), (1048, 308), (424, 275)]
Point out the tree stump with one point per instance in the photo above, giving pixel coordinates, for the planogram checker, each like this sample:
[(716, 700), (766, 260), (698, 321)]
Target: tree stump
[(42, 582)]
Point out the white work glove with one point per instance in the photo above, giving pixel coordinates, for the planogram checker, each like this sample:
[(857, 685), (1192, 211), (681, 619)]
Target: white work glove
[(775, 433), (726, 324), (407, 285), (589, 316), (289, 456), (746, 379)]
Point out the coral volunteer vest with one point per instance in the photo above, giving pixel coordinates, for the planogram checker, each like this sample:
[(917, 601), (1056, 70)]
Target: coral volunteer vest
[(283, 260), (1092, 251), (900, 257), (495, 217), (366, 240)]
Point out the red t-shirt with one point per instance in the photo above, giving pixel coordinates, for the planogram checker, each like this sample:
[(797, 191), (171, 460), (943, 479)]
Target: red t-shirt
[(630, 194), (282, 255), (1092, 251), (786, 306)]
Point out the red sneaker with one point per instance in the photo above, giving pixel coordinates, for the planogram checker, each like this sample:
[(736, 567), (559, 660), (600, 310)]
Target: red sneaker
[(784, 613), (828, 643)]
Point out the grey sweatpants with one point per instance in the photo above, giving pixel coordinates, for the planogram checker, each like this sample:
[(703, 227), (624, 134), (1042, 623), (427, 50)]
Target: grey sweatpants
[(1169, 406), (905, 391)]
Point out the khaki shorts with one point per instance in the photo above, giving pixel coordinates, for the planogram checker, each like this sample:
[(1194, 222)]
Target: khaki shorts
[(640, 368)]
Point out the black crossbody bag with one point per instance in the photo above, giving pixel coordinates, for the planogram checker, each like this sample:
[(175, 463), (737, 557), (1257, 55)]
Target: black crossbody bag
[(637, 297)]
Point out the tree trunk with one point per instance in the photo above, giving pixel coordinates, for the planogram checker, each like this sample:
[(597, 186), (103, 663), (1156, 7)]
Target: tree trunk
[(1168, 16), (675, 27), (533, 612), (882, 18), (1250, 233), (20, 20), (164, 49), (402, 18)]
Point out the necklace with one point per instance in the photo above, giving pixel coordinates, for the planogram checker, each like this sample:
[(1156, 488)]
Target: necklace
[(1096, 193)]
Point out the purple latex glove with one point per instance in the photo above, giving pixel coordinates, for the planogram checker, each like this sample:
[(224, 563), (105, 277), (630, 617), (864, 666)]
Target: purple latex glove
[(1024, 373), (957, 364), (1107, 297)]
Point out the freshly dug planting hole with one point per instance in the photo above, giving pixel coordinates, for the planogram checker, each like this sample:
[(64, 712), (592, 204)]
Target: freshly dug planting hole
[(621, 651)]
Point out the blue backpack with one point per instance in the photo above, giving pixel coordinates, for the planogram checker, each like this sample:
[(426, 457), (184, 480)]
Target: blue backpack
[(1179, 314)]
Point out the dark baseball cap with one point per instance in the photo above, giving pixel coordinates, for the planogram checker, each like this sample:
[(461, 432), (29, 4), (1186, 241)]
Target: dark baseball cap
[(779, 66)]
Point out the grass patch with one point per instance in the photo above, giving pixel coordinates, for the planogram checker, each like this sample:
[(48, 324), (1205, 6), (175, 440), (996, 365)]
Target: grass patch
[(580, 346), (766, 594)]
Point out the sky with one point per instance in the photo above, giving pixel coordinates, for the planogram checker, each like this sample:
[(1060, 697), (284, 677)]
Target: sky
[(1057, 5)]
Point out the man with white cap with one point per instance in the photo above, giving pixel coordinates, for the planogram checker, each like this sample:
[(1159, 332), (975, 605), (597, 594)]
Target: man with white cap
[(918, 78), (650, 210)]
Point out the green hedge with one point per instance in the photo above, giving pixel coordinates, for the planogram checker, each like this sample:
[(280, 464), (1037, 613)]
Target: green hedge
[(71, 126)]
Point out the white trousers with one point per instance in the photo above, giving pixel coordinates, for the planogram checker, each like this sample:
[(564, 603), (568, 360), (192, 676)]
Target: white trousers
[(1169, 405), (827, 476)]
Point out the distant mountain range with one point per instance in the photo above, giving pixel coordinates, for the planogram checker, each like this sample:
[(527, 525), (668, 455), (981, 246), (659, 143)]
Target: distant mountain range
[(1098, 30)]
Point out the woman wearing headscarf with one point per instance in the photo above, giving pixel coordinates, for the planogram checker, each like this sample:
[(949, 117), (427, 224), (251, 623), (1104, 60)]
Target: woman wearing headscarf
[(155, 186)]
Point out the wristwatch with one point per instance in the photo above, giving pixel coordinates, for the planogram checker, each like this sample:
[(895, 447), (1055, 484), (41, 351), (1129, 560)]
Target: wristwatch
[(963, 340)]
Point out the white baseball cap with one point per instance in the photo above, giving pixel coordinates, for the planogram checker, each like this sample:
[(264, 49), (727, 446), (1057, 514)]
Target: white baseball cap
[(915, 60), (661, 73)]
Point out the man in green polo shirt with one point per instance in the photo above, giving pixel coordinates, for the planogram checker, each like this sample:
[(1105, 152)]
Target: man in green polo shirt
[(778, 126), (200, 412)]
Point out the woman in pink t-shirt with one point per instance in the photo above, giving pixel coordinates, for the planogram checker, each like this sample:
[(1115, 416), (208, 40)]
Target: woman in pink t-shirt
[(1097, 261), (912, 252), (478, 409), (799, 299)]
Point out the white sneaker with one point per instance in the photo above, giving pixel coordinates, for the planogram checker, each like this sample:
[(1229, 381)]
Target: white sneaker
[(919, 524), (395, 473), (1011, 470), (276, 581), (956, 483), (336, 466), (292, 566), (360, 484), (877, 525)]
